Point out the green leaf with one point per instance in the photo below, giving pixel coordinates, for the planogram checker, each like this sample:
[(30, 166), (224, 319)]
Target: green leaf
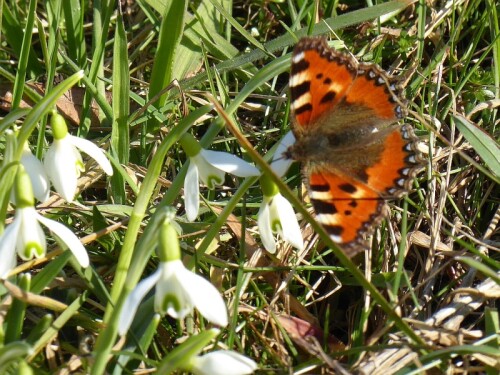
[(323, 28), (482, 143), (120, 138), (17, 92), (74, 21), (171, 30)]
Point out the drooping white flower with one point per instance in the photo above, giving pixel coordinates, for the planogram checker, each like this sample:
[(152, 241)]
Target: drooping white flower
[(63, 161), (177, 290), (276, 215), (25, 237), (209, 167), (222, 362)]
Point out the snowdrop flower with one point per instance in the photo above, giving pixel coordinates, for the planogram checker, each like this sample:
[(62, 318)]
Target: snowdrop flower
[(276, 215), (38, 177), (177, 290), (210, 167), (63, 161), (280, 162), (25, 236), (222, 362)]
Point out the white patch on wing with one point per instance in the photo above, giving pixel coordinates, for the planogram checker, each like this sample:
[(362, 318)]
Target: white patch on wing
[(298, 57), (321, 195), (327, 219), (336, 239), (336, 87), (299, 78), (300, 101)]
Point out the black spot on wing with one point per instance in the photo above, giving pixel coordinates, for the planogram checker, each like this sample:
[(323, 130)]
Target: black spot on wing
[(320, 188), (323, 207), (348, 188), (334, 230), (328, 97)]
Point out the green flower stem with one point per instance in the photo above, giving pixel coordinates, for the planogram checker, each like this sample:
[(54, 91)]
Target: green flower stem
[(68, 313)]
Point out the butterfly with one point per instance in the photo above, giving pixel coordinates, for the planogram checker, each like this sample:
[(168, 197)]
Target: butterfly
[(353, 152)]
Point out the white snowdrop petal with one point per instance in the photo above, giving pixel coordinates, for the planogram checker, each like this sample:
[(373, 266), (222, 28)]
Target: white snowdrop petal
[(94, 152), (68, 238), (209, 175), (230, 163), (223, 362), (133, 300), (60, 165), (8, 248), (38, 176), (205, 297), (289, 225), (264, 224), (30, 236), (192, 192)]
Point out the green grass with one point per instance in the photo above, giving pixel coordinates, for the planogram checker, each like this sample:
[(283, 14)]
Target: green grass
[(423, 298)]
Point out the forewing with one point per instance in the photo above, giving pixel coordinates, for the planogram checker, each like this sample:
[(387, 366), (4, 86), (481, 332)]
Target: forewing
[(320, 77)]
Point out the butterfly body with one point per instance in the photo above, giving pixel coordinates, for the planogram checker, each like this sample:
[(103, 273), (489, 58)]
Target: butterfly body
[(354, 154)]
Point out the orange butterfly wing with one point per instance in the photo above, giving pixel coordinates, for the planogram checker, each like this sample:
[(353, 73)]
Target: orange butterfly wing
[(354, 157)]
